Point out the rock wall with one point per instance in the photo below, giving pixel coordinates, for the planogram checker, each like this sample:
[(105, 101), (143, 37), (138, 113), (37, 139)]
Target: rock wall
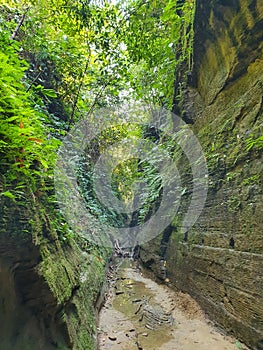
[(220, 261), (49, 289)]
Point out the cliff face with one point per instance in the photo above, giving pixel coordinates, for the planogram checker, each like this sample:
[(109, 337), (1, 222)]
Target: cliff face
[(221, 261), (49, 289)]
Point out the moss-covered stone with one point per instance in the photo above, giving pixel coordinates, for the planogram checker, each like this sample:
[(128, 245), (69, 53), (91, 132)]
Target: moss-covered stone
[(51, 286)]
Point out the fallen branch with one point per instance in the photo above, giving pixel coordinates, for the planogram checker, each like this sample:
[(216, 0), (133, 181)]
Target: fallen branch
[(137, 342), (138, 309)]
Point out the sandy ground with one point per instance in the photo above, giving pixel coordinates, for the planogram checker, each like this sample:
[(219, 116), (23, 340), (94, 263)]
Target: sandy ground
[(119, 327)]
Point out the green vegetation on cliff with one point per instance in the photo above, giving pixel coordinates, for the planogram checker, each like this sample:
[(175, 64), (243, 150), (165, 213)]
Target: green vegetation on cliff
[(62, 60)]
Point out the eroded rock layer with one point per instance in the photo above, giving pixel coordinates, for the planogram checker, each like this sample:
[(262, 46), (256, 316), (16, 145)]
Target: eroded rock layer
[(49, 289), (220, 260)]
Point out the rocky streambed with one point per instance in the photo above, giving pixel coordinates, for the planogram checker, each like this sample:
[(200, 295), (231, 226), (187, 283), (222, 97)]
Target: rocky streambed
[(140, 314)]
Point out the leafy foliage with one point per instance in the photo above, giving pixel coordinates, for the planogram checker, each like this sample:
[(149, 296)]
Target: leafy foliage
[(24, 147), (61, 60), (158, 36), (255, 143)]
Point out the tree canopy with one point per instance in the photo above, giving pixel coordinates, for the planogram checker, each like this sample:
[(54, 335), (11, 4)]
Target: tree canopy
[(61, 60)]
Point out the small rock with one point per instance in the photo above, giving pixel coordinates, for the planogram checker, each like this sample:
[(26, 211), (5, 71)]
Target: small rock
[(112, 337), (118, 292), (149, 327)]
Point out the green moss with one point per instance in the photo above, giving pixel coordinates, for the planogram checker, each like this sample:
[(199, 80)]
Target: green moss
[(75, 279), (71, 272), (252, 180)]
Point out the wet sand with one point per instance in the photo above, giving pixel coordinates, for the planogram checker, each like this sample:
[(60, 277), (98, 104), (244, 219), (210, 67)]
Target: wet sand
[(122, 324)]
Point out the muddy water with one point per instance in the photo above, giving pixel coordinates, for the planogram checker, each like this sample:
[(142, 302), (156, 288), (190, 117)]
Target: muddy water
[(124, 325), (130, 303)]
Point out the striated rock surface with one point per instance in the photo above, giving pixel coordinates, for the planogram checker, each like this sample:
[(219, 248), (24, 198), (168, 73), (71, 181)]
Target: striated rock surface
[(49, 289), (220, 261)]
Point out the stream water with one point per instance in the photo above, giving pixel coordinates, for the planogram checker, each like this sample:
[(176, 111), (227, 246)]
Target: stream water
[(140, 314)]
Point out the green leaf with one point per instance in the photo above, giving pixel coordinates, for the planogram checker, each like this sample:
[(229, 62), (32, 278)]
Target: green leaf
[(8, 194), (15, 117), (239, 346), (49, 92)]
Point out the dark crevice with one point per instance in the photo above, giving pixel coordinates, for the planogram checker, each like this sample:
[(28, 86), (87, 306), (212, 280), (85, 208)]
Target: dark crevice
[(165, 240), (231, 243), (149, 263)]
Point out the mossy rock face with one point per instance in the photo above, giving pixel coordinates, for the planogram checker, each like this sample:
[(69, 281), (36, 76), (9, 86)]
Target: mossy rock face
[(220, 261), (50, 288)]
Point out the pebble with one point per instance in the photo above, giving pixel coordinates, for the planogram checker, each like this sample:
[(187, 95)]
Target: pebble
[(118, 292), (112, 337)]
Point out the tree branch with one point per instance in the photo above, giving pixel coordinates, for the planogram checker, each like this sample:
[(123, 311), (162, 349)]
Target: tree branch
[(19, 25), (34, 80), (77, 95)]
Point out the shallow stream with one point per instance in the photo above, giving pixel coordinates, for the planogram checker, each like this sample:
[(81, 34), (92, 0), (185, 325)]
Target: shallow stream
[(140, 314)]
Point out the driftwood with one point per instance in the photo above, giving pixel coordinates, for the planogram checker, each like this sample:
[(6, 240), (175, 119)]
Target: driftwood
[(118, 251)]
